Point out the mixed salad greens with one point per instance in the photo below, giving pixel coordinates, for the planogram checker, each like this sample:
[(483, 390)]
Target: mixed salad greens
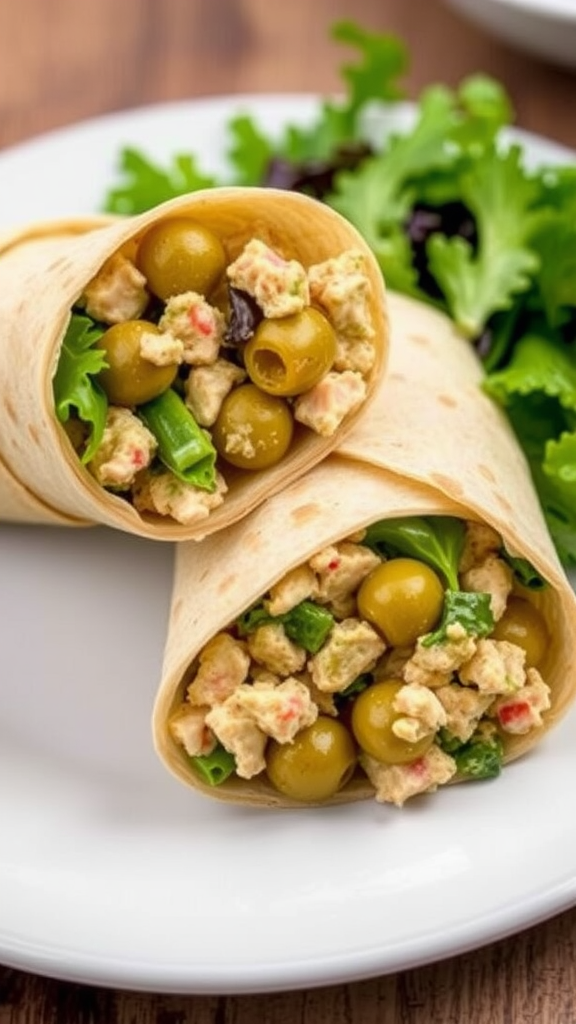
[(456, 217)]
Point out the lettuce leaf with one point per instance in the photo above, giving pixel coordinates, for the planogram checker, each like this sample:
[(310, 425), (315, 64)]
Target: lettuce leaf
[(144, 184), (307, 624), (425, 164), (538, 391), (464, 608), (378, 197), (542, 366), (436, 540), (500, 195), (249, 150), (75, 391), (554, 242), (383, 60)]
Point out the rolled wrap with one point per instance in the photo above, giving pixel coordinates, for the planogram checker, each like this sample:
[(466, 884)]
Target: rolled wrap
[(431, 444), (44, 271), (17, 503)]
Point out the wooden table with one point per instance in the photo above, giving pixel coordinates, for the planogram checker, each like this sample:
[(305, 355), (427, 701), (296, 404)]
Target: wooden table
[(65, 60)]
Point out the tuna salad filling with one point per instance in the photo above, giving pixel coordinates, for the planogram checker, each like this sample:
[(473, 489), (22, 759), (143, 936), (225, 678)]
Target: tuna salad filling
[(407, 653), (180, 366)]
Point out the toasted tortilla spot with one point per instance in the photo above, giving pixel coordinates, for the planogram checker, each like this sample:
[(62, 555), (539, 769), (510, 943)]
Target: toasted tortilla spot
[(305, 513), (448, 400), (486, 472), (227, 583), (503, 502), (10, 410)]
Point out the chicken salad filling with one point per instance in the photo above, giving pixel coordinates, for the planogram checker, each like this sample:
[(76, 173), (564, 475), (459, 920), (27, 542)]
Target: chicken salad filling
[(181, 366), (407, 654)]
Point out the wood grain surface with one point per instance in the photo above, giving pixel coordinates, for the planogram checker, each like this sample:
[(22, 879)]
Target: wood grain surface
[(65, 60)]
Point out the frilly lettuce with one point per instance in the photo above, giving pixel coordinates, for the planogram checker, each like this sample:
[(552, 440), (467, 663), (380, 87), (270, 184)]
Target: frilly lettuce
[(538, 390), (75, 390)]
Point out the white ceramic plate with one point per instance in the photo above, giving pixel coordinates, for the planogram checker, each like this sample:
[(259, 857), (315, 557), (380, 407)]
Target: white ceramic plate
[(113, 873), (545, 28)]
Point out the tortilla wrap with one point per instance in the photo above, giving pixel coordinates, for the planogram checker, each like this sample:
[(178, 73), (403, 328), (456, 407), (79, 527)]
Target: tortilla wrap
[(432, 444), (17, 503), (44, 271)]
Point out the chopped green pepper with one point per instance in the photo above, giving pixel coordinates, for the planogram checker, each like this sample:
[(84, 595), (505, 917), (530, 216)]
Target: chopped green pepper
[(215, 767)]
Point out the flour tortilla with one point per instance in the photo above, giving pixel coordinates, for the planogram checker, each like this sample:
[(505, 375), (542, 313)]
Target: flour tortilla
[(17, 503), (430, 444), (43, 272)]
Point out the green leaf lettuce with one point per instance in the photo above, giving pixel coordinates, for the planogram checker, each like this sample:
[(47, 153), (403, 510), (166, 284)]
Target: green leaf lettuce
[(75, 390)]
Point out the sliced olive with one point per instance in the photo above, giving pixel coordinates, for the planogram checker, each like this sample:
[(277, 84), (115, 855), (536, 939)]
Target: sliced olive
[(524, 625), (253, 430), (178, 255), (373, 716), (130, 379), (403, 598), (316, 765), (289, 355)]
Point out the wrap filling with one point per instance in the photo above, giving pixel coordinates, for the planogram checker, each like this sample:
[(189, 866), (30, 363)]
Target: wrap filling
[(407, 653)]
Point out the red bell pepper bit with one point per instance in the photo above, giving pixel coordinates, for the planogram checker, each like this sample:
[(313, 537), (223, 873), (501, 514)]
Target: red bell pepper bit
[(292, 710), (201, 320), (513, 714)]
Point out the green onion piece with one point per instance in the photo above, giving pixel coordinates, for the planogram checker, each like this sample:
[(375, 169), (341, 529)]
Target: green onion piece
[(308, 625), (215, 767), (252, 618), (183, 446)]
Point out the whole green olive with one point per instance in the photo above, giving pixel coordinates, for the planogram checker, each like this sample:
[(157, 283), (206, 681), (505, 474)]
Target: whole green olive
[(373, 716), (289, 355), (178, 255), (252, 430), (523, 624), (403, 598), (316, 765), (130, 379)]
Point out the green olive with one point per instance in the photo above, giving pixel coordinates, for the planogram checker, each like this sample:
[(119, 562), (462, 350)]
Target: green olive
[(316, 765), (373, 716), (403, 598), (130, 379), (253, 430), (289, 355), (524, 625), (178, 255)]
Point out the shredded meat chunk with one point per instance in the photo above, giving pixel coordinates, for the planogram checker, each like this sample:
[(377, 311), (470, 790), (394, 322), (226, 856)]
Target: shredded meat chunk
[(398, 782)]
